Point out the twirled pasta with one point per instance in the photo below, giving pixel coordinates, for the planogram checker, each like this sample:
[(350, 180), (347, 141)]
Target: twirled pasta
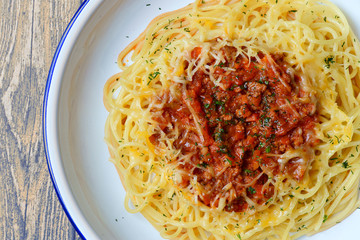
[(315, 40)]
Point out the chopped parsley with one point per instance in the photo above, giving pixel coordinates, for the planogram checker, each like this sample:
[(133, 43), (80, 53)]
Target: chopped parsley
[(328, 61), (252, 190), (203, 164), (229, 161), (152, 76), (268, 149), (345, 164), (248, 171), (269, 200)]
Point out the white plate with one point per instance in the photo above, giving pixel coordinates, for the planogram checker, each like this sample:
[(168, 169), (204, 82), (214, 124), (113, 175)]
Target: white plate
[(87, 184)]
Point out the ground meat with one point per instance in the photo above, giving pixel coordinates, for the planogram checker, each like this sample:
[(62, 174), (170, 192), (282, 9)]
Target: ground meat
[(242, 123)]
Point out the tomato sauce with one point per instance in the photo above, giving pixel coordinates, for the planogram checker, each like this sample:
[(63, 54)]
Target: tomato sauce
[(256, 112)]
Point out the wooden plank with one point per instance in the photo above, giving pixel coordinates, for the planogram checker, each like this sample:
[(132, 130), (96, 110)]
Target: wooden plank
[(29, 33)]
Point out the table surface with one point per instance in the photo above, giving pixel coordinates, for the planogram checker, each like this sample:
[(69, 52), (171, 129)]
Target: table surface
[(30, 31)]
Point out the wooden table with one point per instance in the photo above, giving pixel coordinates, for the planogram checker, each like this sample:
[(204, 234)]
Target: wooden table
[(30, 31)]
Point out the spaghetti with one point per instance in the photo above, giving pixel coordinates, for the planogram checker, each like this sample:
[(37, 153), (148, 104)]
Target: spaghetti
[(239, 120)]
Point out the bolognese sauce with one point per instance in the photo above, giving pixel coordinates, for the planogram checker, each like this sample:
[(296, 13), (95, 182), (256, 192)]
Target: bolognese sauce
[(236, 128)]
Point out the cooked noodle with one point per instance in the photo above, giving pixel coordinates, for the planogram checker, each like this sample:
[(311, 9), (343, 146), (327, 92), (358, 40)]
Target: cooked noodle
[(315, 39)]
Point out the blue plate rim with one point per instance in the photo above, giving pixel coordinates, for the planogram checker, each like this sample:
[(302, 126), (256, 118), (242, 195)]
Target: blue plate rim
[(45, 117)]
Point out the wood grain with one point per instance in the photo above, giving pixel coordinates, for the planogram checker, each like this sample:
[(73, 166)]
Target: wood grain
[(29, 33)]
